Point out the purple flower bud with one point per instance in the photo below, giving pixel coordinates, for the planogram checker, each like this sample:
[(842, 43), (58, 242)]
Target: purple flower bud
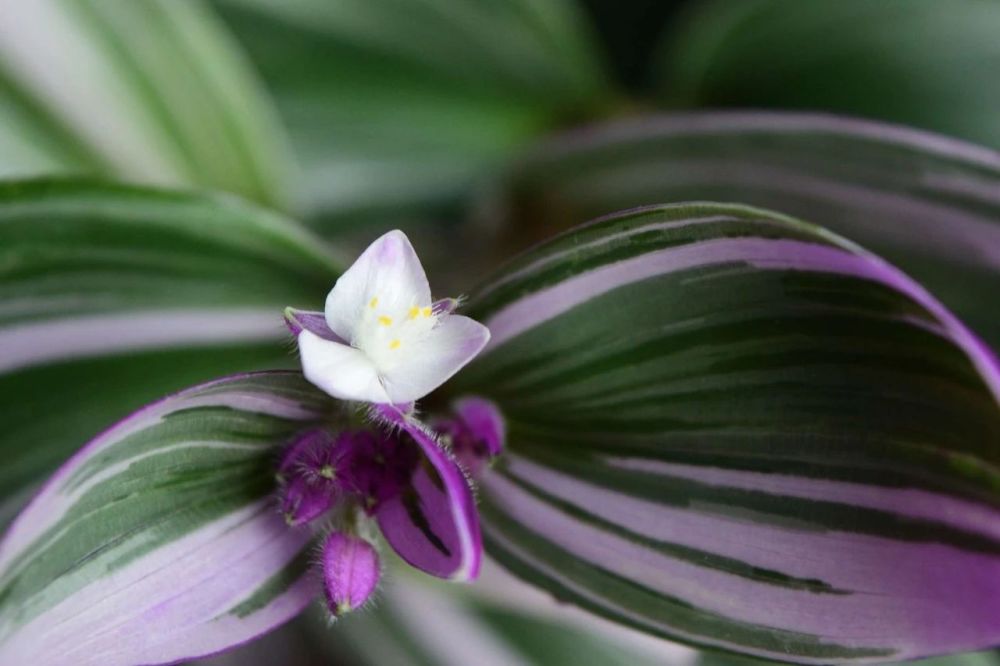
[(303, 500), (310, 475), (476, 433), (350, 572)]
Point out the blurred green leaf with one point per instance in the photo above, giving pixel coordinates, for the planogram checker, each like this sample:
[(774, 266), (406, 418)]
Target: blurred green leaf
[(111, 296), (34, 140), (924, 63), (149, 91), (423, 623), (397, 107), (732, 429)]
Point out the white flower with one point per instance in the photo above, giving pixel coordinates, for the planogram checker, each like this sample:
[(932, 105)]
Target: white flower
[(387, 342)]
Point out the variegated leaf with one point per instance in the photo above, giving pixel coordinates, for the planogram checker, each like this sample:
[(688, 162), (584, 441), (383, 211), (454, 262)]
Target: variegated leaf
[(159, 541), (737, 430), (928, 204), (153, 91), (111, 296)]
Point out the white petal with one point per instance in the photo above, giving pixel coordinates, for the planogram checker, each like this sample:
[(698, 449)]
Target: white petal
[(340, 370), (388, 274), (434, 359)]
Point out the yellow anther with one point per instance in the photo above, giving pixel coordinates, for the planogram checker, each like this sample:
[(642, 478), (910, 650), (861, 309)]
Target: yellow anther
[(414, 311), (395, 344), (385, 321), (372, 303), (426, 311)]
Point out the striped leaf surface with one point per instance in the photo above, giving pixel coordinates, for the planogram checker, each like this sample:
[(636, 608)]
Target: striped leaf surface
[(153, 91), (987, 658), (111, 296), (159, 541), (737, 430), (928, 204)]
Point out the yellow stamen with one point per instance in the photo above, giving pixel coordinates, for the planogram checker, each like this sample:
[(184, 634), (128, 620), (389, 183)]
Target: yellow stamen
[(414, 311), (385, 321), (426, 311), (372, 303), (395, 344)]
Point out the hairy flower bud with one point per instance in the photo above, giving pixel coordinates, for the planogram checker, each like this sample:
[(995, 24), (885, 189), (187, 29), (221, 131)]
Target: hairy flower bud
[(309, 475), (476, 433), (304, 500), (350, 572)]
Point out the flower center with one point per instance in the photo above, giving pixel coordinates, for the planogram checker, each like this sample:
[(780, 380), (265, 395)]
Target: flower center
[(389, 331)]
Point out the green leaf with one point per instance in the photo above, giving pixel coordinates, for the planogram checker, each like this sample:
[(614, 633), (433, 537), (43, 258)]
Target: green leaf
[(737, 430), (926, 203), (397, 107), (153, 91), (159, 541), (111, 296), (34, 140), (924, 63)]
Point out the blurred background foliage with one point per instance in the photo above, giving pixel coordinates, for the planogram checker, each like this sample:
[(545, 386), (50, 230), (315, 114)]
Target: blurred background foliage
[(388, 112), (358, 115)]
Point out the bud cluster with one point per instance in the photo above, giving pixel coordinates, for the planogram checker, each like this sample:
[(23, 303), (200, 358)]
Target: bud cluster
[(320, 470), (368, 472)]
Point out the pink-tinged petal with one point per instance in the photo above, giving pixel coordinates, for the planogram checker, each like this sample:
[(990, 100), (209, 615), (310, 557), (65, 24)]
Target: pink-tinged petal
[(340, 370), (433, 525), (314, 322), (484, 421), (435, 358), (350, 572), (389, 271)]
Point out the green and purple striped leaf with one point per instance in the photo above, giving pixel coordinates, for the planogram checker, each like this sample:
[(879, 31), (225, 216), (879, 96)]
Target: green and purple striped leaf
[(153, 92), (738, 430), (112, 296), (928, 204), (160, 541), (987, 658)]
